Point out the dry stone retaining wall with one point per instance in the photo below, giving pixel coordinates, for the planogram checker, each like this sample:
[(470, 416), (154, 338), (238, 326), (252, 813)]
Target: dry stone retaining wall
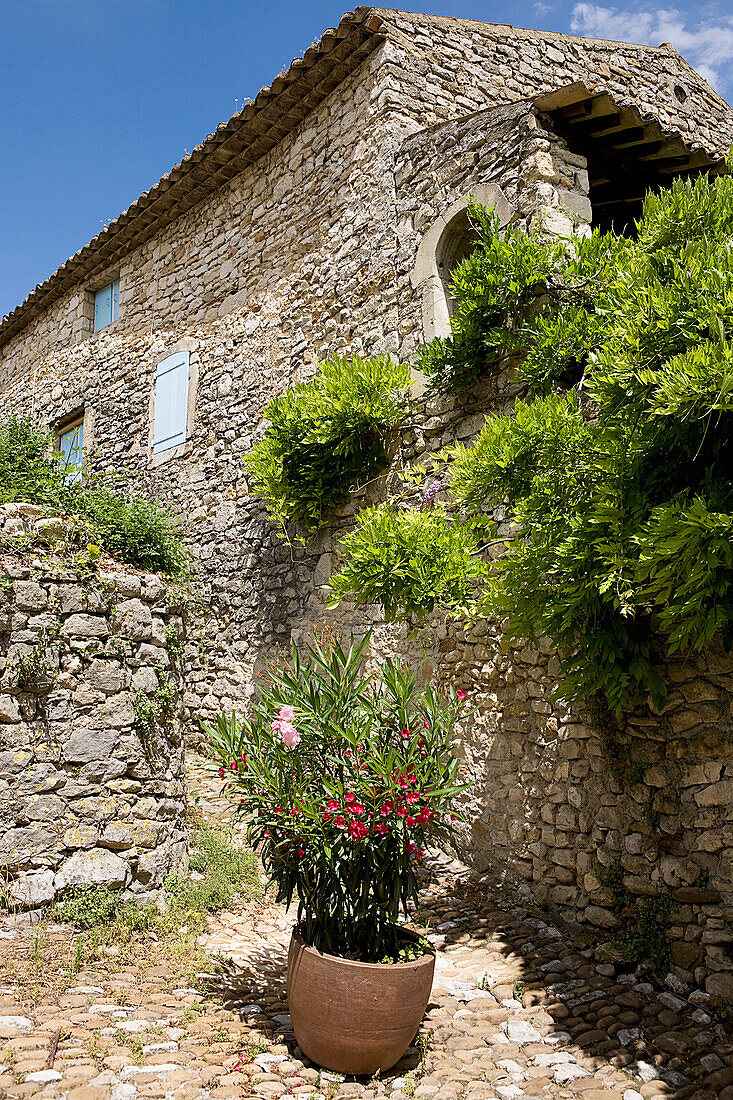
[(85, 797)]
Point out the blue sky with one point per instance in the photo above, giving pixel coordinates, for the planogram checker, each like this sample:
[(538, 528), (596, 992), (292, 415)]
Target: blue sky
[(98, 98)]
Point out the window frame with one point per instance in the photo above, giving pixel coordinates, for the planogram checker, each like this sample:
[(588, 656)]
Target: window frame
[(428, 276), (80, 418)]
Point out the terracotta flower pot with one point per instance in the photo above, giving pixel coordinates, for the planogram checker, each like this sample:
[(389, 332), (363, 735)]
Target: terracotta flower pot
[(355, 1017)]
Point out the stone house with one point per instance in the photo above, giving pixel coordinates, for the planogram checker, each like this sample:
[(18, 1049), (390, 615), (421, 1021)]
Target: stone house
[(325, 217)]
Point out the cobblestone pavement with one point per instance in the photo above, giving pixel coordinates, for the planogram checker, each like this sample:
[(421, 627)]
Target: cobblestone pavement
[(517, 1010)]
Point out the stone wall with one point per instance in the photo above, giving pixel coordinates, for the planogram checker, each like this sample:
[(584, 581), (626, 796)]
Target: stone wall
[(86, 796)]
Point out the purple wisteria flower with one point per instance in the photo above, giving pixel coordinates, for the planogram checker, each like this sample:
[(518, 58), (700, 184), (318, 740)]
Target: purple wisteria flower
[(431, 492)]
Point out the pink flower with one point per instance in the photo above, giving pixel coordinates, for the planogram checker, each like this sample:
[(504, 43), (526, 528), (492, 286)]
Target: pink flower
[(349, 797), (287, 714), (412, 796), (356, 808), (332, 805), (382, 828), (460, 694), (289, 734), (340, 821), (405, 733), (387, 808)]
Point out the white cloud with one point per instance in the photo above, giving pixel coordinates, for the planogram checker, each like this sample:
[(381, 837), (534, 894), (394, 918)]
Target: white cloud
[(708, 45), (540, 9)]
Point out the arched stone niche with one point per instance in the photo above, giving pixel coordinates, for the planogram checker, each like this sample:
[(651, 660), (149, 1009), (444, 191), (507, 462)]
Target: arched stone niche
[(448, 241)]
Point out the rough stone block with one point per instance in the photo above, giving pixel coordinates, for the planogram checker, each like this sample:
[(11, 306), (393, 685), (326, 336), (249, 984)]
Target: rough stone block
[(134, 620), (129, 834), (9, 709), (32, 891), (86, 626), (86, 745), (99, 866)]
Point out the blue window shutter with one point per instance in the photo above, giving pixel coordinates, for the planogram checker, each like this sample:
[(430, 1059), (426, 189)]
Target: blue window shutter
[(106, 305), (171, 402), (71, 446)]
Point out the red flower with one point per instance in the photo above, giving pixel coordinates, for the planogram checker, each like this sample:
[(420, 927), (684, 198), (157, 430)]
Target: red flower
[(401, 811), (460, 694), (301, 853), (222, 773), (332, 805), (233, 765), (403, 781), (387, 808), (356, 808), (412, 796), (278, 810), (405, 733), (409, 820), (382, 828), (358, 830), (326, 817), (425, 815), (349, 797), (340, 822)]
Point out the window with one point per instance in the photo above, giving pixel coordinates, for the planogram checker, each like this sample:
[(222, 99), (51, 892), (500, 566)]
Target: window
[(106, 305), (71, 447), (446, 242), (171, 402), (456, 243)]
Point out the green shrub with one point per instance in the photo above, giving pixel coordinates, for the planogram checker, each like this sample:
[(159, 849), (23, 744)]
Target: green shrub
[(30, 469), (131, 528), (410, 561), (517, 295), (88, 906), (219, 874), (616, 469), (327, 437)]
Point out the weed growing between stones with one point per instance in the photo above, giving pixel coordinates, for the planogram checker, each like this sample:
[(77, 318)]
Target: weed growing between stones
[(37, 669), (123, 930), (154, 712), (643, 935)]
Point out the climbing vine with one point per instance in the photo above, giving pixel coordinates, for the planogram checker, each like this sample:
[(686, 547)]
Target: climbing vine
[(615, 469), (326, 437)]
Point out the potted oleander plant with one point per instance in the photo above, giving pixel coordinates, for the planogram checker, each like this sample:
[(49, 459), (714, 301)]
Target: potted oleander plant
[(344, 777)]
